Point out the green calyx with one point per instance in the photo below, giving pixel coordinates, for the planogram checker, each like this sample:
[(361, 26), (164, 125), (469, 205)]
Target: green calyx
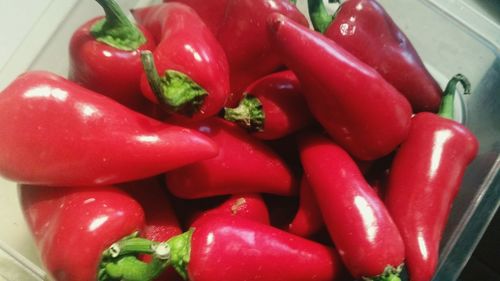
[(175, 90), (116, 30), (446, 109), (248, 114), (180, 247), (390, 274), (120, 262), (320, 18)]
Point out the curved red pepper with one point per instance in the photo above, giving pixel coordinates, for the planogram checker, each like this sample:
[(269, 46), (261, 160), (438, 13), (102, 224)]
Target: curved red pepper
[(358, 222), (110, 68), (423, 182), (161, 222), (246, 206), (194, 67), (356, 106), (365, 30), (272, 107), (54, 132), (73, 226), (308, 219), (243, 165), (227, 248), (241, 31)]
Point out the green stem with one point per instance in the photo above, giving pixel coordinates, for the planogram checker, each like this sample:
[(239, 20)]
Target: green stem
[(120, 262), (446, 109), (294, 2), (180, 247), (116, 29), (175, 90), (248, 114), (390, 274), (319, 15)]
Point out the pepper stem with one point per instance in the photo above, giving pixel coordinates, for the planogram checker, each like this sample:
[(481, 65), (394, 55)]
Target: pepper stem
[(120, 262), (319, 15), (175, 90), (248, 114), (116, 30), (390, 274), (446, 109), (180, 247)]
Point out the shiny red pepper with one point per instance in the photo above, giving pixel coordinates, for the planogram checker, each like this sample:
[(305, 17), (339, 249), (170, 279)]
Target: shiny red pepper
[(424, 180), (364, 29), (366, 237), (188, 73), (245, 206), (73, 226), (105, 56), (308, 219), (357, 107), (243, 165), (54, 132), (272, 107), (240, 27), (161, 222), (228, 248)]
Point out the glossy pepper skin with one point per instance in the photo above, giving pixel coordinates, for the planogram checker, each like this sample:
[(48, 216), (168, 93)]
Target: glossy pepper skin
[(227, 248), (364, 233), (188, 47), (112, 70), (272, 107), (249, 206), (308, 219), (423, 182), (73, 226), (364, 29), (54, 132), (243, 165), (240, 28), (357, 107)]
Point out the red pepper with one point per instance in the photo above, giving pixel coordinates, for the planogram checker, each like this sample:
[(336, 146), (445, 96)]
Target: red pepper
[(365, 30), (424, 180), (240, 27), (227, 248), (308, 219), (161, 222), (189, 73), (272, 107), (213, 14), (54, 132), (246, 206), (243, 165), (105, 56), (366, 237), (357, 107), (72, 227)]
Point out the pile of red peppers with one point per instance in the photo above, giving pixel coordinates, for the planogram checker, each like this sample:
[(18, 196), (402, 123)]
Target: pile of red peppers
[(227, 140)]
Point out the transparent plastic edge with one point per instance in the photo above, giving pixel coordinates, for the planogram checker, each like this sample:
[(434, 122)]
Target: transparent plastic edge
[(469, 30), (28, 266), (471, 228)]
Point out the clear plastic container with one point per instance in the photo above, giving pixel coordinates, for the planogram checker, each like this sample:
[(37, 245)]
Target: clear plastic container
[(447, 45)]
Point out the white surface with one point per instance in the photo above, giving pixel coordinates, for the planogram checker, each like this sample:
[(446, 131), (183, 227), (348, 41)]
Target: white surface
[(24, 13)]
